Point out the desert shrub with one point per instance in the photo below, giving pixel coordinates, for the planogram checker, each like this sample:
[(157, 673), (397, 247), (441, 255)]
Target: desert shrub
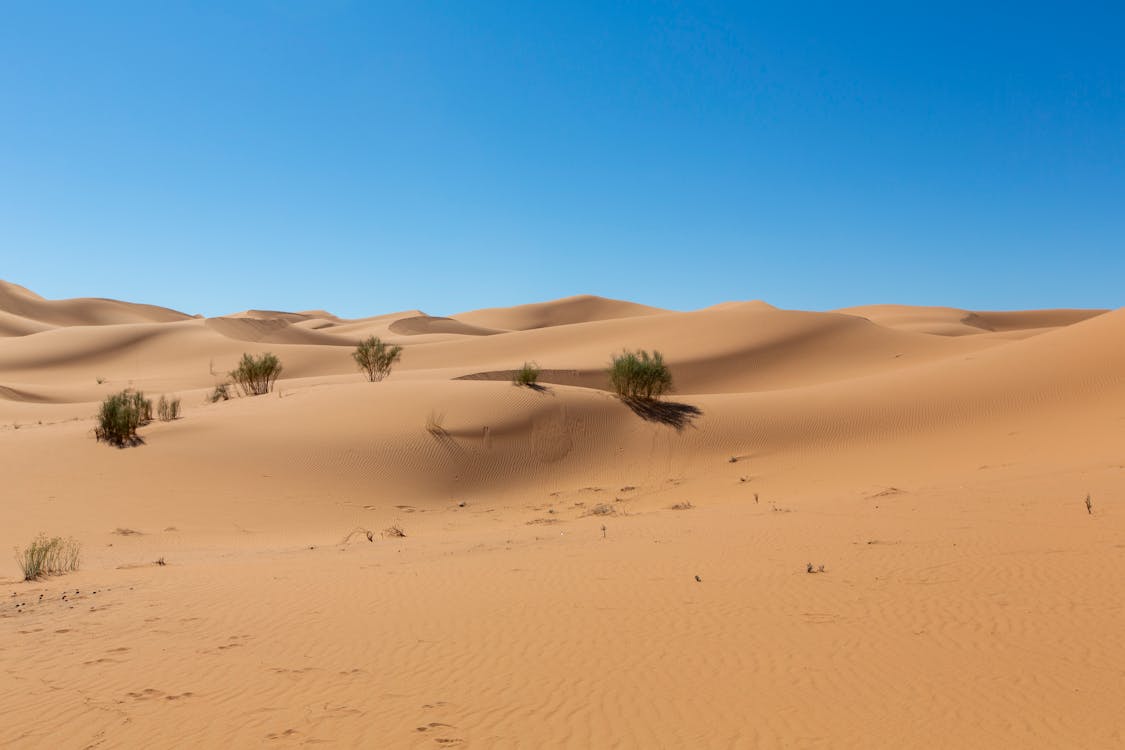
[(168, 409), (256, 375), (375, 358), (527, 375), (221, 393), (46, 557), (120, 416), (639, 375)]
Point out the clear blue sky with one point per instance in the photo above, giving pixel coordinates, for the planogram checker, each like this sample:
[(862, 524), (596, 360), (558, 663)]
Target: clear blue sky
[(370, 157)]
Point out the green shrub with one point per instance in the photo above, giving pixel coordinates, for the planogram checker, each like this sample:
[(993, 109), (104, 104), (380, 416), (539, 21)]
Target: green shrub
[(120, 416), (168, 409), (527, 375), (639, 375), (46, 557), (375, 358), (256, 375)]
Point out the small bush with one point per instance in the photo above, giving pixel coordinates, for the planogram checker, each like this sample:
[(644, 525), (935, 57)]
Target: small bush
[(168, 409), (221, 393), (375, 358), (527, 375), (256, 375), (47, 557), (120, 416), (639, 375)]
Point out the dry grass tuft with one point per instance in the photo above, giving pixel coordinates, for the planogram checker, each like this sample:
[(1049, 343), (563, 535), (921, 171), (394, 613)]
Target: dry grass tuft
[(48, 557)]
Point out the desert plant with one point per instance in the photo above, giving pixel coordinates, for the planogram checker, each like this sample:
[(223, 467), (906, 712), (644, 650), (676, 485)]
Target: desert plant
[(221, 393), (256, 375), (394, 531), (434, 424), (120, 416), (639, 375), (375, 357), (45, 557), (168, 409), (527, 375)]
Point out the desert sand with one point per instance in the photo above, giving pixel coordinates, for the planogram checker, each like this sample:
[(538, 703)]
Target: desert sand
[(573, 574)]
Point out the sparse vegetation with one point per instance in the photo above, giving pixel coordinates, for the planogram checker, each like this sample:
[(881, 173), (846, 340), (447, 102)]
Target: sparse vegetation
[(100, 380), (120, 416), (686, 505), (1089, 505), (48, 556), (818, 569), (639, 375), (394, 531), (527, 375), (221, 393), (376, 358), (434, 424), (256, 375), (359, 531), (168, 409)]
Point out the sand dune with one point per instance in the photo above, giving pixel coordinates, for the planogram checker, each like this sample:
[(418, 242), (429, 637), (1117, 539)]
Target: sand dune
[(581, 309), (420, 324), (575, 572), (951, 321), (19, 301)]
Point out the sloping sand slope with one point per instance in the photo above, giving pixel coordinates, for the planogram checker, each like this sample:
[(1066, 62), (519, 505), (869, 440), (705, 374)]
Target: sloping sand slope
[(574, 573), (951, 321), (581, 309)]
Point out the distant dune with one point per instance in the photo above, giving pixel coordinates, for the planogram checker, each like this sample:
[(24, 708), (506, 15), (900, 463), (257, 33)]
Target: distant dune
[(576, 571)]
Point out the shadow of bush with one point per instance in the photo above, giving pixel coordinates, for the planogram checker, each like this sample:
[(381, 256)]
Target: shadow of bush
[(671, 413)]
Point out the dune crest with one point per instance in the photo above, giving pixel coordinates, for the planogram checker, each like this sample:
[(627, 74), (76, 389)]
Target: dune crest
[(583, 308)]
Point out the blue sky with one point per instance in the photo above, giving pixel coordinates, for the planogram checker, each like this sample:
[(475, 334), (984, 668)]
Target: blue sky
[(369, 157)]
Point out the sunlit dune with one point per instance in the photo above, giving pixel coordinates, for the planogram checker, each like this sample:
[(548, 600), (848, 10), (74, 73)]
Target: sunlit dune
[(840, 529)]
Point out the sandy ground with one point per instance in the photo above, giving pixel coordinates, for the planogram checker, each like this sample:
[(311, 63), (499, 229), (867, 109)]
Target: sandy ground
[(573, 574)]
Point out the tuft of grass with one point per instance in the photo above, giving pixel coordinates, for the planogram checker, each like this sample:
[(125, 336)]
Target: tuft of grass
[(434, 424), (100, 379), (48, 556), (639, 375), (394, 531), (168, 409), (221, 393), (256, 375), (1089, 505), (120, 415), (527, 375), (686, 505), (376, 358)]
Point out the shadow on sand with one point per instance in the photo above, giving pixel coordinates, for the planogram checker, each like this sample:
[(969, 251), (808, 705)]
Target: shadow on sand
[(671, 413)]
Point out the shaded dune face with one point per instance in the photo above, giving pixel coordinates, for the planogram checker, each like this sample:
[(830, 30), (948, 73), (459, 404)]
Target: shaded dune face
[(575, 570)]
